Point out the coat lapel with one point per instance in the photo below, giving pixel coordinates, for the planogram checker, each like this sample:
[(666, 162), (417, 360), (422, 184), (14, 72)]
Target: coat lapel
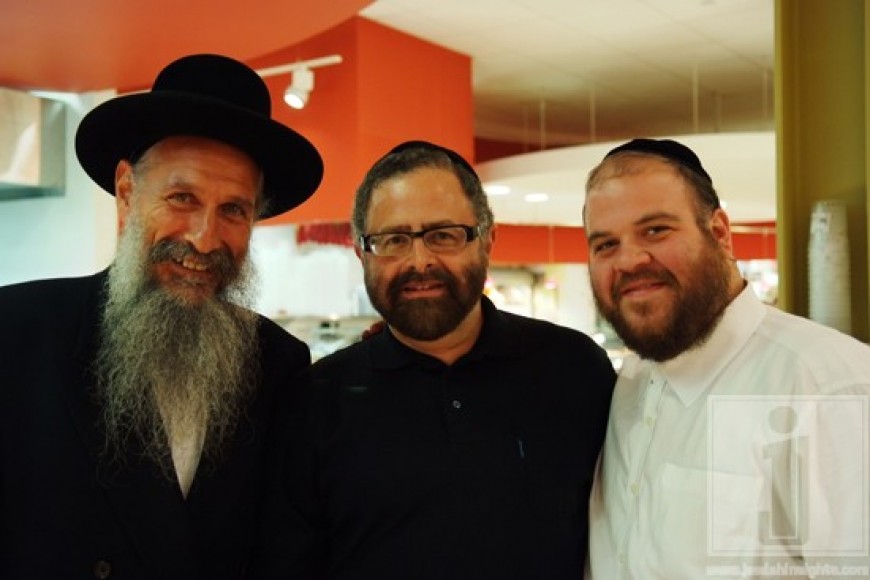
[(222, 489), (148, 505)]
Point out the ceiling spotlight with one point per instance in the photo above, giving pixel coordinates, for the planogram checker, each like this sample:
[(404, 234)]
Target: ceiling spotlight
[(302, 80), (300, 87)]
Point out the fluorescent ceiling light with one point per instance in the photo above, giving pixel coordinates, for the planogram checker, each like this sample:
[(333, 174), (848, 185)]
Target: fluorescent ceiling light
[(496, 189), (536, 197)]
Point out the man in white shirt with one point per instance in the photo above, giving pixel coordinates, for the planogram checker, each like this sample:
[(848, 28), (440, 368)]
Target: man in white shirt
[(737, 444)]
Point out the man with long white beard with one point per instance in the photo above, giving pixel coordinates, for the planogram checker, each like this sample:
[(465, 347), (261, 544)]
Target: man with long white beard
[(459, 442), (738, 434), (136, 403)]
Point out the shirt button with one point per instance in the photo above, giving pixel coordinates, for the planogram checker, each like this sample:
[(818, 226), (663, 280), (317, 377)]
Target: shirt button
[(457, 404), (634, 487), (622, 559), (649, 421), (102, 570)]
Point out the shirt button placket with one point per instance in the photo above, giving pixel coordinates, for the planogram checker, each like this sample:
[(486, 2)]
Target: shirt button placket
[(454, 407), (102, 570)]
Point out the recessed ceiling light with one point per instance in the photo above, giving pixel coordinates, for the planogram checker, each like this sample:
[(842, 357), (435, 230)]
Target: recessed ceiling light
[(536, 197), (496, 189)]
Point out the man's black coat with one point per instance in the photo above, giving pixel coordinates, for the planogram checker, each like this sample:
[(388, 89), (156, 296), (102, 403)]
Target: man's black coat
[(68, 513)]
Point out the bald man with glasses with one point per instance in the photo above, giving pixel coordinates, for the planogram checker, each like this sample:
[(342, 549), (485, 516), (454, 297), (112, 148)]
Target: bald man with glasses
[(458, 443)]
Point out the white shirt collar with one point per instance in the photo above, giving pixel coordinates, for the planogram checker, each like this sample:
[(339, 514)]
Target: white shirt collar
[(693, 371)]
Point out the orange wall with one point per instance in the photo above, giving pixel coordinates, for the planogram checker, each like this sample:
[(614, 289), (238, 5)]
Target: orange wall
[(390, 88), (517, 244), (329, 118), (412, 90), (754, 241)]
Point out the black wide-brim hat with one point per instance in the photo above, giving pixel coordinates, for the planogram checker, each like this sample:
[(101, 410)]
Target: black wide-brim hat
[(204, 95)]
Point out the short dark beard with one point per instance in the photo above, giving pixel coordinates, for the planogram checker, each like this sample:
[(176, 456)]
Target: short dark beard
[(429, 318), (698, 307), (167, 369)]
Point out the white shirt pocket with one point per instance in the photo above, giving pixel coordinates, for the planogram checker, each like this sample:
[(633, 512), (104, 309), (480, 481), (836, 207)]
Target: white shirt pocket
[(706, 513)]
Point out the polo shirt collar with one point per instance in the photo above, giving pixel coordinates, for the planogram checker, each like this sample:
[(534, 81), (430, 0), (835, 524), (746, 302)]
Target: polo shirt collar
[(496, 340)]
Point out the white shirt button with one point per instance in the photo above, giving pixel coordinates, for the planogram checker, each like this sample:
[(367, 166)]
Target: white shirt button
[(457, 404)]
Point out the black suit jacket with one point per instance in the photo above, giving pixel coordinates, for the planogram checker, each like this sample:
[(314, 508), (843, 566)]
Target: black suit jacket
[(65, 512)]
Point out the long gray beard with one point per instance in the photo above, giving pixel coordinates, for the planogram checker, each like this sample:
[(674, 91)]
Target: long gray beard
[(168, 371)]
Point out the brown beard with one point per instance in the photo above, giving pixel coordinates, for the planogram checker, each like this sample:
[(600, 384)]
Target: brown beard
[(168, 370), (428, 318), (697, 308)]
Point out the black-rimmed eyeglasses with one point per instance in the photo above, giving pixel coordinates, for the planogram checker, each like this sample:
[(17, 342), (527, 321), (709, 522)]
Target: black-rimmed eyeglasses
[(440, 239)]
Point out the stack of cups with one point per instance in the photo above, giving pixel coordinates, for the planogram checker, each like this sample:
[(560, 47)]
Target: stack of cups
[(829, 280)]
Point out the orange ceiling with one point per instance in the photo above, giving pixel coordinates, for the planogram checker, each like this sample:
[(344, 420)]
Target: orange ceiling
[(84, 45)]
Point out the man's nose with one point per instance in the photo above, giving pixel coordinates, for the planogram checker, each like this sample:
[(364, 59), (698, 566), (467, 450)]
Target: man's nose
[(420, 256), (631, 257), (203, 232)]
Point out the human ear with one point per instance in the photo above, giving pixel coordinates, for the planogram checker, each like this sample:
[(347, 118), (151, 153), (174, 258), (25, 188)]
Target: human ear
[(489, 239), (720, 228), (123, 191)]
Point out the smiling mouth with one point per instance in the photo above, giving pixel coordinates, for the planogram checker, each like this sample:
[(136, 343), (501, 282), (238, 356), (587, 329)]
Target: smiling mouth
[(430, 287), (640, 288), (189, 263), (190, 271)]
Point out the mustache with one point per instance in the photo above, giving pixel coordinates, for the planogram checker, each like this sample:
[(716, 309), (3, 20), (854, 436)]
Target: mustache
[(219, 262), (432, 275), (646, 275)]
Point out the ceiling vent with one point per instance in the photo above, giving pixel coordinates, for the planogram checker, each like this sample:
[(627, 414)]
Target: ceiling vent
[(32, 145)]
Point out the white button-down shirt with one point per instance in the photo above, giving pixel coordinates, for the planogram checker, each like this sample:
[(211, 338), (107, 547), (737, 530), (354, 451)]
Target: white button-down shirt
[(745, 457)]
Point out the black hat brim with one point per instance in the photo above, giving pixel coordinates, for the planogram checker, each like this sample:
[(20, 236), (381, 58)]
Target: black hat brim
[(292, 168)]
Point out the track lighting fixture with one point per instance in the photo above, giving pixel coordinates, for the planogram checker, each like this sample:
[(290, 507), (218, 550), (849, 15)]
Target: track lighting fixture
[(296, 94), (302, 81)]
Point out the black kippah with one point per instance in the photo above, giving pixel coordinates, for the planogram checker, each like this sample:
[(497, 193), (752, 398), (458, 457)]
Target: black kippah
[(455, 157), (665, 148)]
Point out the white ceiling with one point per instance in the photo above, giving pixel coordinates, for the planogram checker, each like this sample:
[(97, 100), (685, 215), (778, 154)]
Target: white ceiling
[(742, 165), (552, 73)]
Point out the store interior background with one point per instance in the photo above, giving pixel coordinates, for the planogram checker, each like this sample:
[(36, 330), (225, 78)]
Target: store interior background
[(533, 91)]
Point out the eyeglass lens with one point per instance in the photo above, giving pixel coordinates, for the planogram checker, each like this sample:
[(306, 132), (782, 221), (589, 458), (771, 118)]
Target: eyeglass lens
[(440, 239)]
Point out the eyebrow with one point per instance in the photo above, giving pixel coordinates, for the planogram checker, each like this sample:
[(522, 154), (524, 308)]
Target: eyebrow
[(651, 217), (178, 181), (424, 226)]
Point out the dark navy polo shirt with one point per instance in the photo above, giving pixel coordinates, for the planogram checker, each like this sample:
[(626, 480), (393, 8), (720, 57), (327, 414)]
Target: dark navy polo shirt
[(402, 467)]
